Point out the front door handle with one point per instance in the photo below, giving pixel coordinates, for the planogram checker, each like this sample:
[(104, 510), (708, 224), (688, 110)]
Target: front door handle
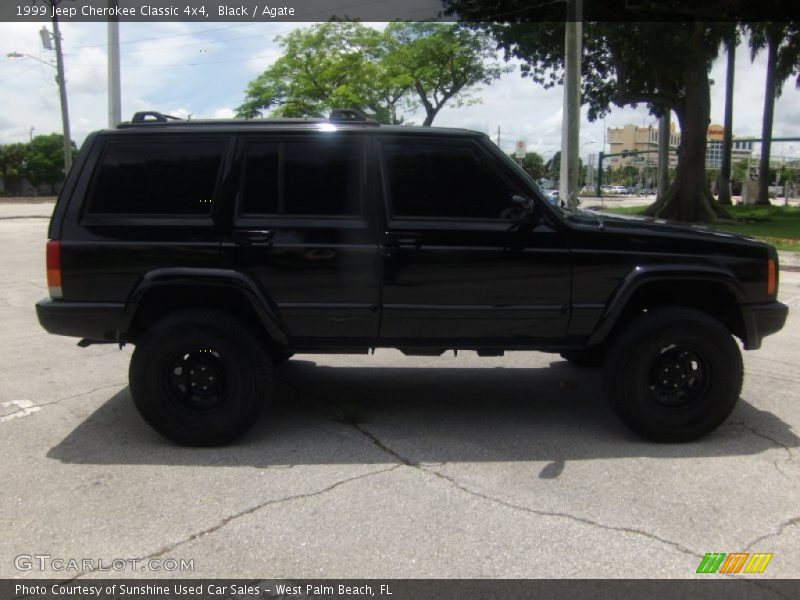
[(404, 239), (248, 237)]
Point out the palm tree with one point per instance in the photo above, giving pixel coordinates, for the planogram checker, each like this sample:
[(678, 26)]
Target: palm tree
[(725, 169), (783, 59)]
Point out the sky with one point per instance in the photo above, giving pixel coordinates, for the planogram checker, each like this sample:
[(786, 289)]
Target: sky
[(203, 69)]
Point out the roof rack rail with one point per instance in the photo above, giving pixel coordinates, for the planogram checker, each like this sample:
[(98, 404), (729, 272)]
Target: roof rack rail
[(350, 115), (152, 116)]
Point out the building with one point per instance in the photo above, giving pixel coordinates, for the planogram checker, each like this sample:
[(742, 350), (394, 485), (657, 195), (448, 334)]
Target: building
[(634, 138), (740, 150)]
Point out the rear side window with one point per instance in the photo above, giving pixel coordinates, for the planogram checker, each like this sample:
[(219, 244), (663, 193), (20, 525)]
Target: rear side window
[(448, 180), (303, 177), (158, 177)]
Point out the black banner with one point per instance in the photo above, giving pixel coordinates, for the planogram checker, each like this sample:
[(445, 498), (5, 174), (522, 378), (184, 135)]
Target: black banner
[(397, 589), (266, 11)]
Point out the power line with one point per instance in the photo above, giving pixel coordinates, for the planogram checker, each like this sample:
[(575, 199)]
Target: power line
[(164, 37)]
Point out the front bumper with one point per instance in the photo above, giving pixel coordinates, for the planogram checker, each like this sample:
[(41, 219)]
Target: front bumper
[(96, 321), (762, 320)]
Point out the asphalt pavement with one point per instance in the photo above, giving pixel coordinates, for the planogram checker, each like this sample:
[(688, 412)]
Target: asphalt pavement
[(382, 466)]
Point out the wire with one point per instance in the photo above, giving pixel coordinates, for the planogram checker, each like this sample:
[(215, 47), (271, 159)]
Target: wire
[(164, 37), (160, 48), (18, 74)]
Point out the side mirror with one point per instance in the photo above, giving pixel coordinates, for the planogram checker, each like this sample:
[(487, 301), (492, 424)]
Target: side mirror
[(523, 211)]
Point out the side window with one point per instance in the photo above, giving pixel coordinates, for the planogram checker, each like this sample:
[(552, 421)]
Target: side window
[(302, 177), (443, 180), (158, 177)]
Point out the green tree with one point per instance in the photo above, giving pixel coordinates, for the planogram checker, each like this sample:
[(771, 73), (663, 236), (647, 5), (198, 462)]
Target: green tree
[(12, 157), (533, 164), (43, 160), (445, 62), (782, 42), (349, 65), (662, 64)]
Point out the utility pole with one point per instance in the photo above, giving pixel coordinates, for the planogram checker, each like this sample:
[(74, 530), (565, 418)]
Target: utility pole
[(62, 90), (570, 132), (664, 132), (727, 134), (114, 93), (498, 136)]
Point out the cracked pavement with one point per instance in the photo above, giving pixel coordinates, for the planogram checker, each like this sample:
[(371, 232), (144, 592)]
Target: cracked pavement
[(385, 466)]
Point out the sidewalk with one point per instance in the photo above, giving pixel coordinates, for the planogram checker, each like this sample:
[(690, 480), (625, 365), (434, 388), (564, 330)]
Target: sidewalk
[(789, 261), (27, 208)]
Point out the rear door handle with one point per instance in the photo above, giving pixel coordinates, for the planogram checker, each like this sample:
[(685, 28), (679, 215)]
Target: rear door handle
[(404, 239), (248, 237)]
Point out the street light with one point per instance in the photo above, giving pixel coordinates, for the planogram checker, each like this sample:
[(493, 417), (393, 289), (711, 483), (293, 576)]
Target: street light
[(62, 88)]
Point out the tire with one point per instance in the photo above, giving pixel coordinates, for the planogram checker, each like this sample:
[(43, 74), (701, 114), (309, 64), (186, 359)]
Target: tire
[(673, 374), (200, 378), (584, 358)]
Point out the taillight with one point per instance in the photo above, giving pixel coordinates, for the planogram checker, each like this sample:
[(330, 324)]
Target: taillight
[(54, 268), (772, 277)]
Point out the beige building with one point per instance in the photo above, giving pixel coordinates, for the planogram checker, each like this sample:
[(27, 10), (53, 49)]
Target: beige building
[(740, 150), (634, 138)]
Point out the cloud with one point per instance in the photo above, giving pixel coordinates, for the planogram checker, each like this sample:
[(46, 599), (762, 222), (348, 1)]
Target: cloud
[(204, 69)]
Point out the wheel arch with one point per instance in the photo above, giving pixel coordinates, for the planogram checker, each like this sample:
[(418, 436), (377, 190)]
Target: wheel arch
[(714, 291), (163, 291)]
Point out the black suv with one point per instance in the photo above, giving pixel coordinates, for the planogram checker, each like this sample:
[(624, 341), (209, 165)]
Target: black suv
[(221, 248)]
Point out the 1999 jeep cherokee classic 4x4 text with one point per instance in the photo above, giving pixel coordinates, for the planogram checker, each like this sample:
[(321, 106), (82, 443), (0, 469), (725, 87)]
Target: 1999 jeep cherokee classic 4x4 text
[(219, 248)]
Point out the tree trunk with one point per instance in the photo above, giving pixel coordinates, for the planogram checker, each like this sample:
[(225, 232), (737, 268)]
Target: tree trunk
[(727, 138), (688, 197), (430, 116), (766, 126)]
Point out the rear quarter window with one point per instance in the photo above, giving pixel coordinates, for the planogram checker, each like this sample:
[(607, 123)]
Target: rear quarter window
[(157, 177)]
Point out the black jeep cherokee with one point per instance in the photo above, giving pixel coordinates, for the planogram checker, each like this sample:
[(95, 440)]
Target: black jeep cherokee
[(222, 248)]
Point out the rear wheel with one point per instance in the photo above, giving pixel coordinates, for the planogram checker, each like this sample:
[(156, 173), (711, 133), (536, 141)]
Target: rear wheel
[(674, 374), (200, 378)]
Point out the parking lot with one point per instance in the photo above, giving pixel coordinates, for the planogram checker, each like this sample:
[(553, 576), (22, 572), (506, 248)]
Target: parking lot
[(384, 465)]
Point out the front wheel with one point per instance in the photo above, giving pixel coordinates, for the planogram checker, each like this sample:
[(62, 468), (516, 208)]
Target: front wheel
[(674, 374), (200, 378)]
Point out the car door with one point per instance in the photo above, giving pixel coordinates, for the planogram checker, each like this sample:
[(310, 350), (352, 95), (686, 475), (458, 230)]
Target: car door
[(300, 228), (456, 267)]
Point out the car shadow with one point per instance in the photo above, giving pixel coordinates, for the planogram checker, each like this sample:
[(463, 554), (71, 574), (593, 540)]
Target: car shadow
[(357, 415)]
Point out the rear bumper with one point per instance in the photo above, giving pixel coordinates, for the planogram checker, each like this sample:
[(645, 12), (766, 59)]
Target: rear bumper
[(762, 320), (96, 321)]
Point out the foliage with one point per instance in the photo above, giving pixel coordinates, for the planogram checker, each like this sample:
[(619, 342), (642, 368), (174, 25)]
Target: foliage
[(348, 65), (11, 159), (43, 160), (533, 164), (631, 55), (786, 37)]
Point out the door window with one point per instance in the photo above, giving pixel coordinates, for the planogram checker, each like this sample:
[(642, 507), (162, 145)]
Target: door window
[(302, 177), (444, 180)]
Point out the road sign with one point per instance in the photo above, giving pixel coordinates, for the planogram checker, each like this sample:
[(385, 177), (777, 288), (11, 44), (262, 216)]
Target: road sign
[(520, 152)]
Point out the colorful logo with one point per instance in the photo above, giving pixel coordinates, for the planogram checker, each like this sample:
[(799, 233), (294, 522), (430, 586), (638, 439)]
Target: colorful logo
[(737, 562)]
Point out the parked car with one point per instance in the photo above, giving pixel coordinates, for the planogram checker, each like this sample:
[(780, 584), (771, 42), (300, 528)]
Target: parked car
[(220, 249)]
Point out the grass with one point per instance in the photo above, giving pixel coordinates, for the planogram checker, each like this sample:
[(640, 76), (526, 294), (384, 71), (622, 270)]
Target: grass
[(776, 225)]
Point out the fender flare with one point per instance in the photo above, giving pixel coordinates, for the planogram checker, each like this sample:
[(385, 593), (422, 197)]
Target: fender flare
[(263, 306), (642, 275)]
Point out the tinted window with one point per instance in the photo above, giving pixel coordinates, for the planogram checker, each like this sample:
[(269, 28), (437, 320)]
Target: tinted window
[(446, 180), (303, 177), (158, 177)]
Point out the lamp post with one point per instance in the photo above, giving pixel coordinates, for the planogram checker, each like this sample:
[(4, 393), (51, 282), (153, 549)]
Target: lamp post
[(62, 89)]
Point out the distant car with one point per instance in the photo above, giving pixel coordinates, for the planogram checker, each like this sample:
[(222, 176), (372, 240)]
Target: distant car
[(619, 189), (551, 196)]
